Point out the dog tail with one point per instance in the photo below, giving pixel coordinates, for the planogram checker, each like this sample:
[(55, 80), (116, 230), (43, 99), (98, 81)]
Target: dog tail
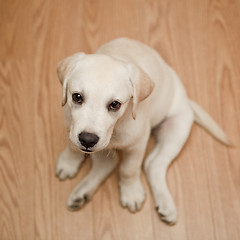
[(203, 119)]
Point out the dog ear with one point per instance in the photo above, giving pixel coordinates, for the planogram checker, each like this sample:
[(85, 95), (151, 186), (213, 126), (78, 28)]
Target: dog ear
[(142, 85), (64, 69)]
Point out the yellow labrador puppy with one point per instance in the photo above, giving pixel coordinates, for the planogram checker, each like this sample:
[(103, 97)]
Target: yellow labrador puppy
[(113, 100)]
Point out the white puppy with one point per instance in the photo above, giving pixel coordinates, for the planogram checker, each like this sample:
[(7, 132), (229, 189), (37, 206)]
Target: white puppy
[(113, 100)]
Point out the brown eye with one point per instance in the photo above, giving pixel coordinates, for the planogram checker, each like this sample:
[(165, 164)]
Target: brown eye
[(114, 106), (77, 98)]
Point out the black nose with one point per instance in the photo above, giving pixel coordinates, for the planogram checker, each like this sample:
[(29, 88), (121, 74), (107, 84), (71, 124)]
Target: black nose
[(88, 140)]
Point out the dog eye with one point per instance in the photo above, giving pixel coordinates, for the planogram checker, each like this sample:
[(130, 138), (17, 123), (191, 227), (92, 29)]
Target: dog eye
[(77, 98), (114, 106)]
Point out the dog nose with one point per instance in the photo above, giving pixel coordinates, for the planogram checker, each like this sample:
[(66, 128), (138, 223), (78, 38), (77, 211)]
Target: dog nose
[(88, 140)]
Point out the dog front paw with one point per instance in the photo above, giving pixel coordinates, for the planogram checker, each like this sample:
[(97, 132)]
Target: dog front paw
[(166, 209), (132, 196), (68, 164)]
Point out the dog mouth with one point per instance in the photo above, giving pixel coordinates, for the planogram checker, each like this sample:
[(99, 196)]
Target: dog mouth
[(86, 150)]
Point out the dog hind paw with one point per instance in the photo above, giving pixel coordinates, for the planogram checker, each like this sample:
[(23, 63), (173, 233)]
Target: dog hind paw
[(167, 211), (75, 203)]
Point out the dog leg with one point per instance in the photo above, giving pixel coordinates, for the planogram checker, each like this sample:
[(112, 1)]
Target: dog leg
[(69, 163), (103, 163), (171, 136), (131, 188)]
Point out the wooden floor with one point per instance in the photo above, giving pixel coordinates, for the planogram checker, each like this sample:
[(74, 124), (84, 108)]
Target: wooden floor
[(200, 39)]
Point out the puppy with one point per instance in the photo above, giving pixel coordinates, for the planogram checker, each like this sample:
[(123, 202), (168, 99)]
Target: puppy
[(113, 100)]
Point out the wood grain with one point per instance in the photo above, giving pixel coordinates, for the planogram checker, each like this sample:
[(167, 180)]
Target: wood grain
[(200, 39)]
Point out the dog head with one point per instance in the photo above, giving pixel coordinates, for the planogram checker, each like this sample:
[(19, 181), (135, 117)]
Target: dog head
[(97, 89)]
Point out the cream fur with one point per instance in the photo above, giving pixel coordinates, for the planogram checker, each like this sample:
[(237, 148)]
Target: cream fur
[(153, 101)]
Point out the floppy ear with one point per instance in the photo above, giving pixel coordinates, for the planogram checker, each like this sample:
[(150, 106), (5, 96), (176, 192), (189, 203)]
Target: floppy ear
[(142, 85), (64, 69)]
